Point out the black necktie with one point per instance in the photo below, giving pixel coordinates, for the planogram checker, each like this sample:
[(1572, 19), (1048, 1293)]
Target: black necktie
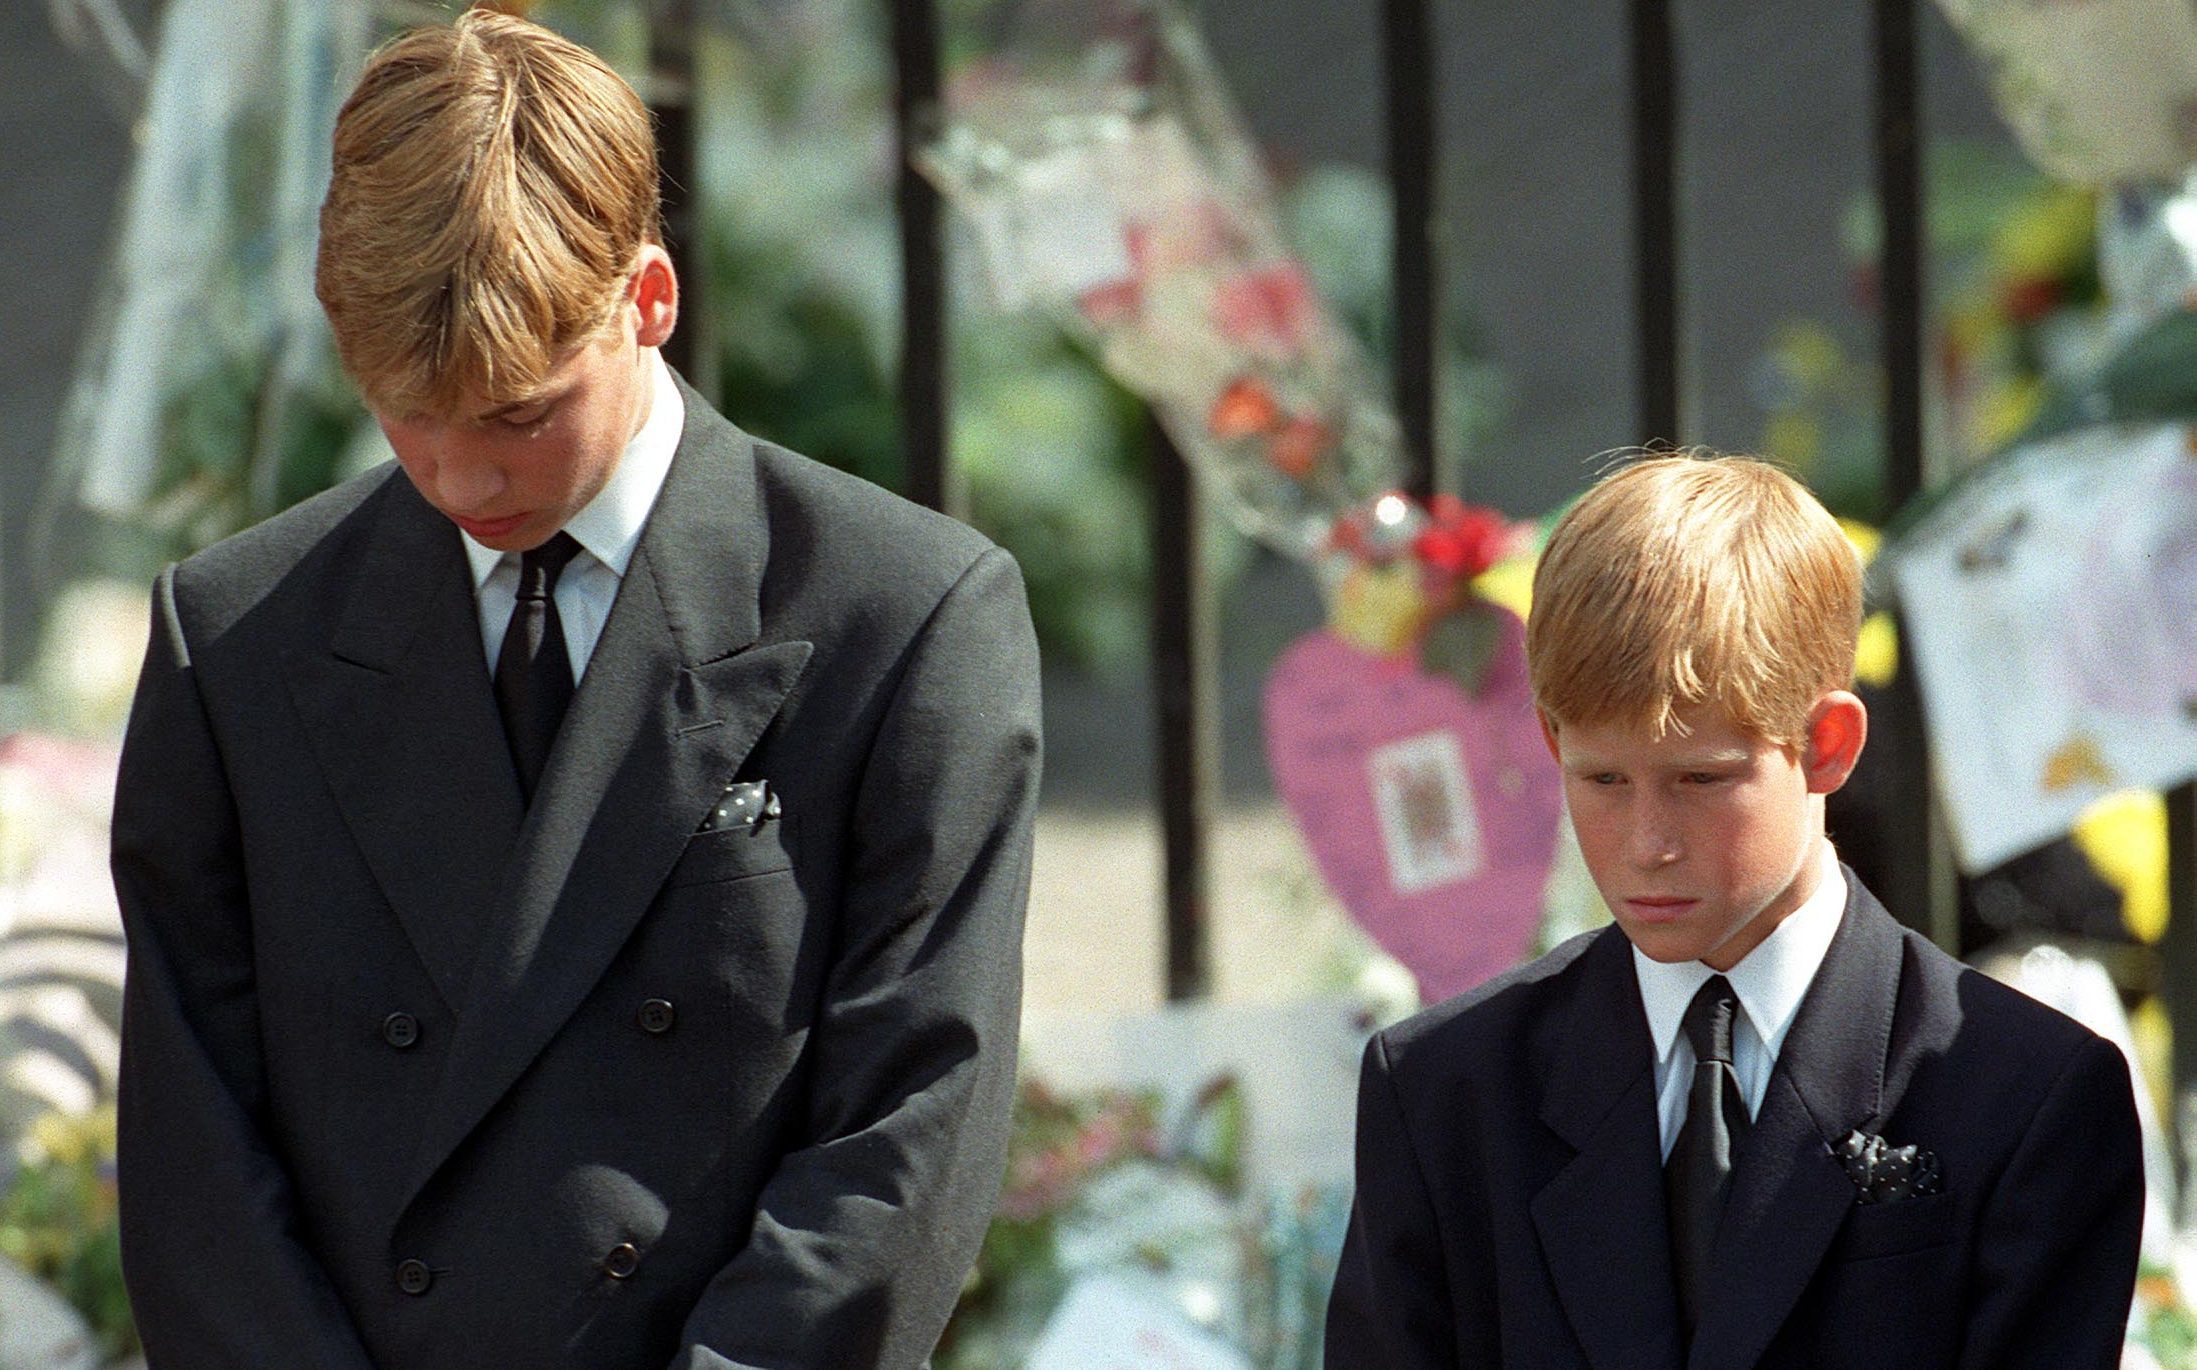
[(533, 673), (1699, 1170)]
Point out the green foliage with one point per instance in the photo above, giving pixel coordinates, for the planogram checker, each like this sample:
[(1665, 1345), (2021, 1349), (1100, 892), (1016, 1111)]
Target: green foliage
[(57, 1221), (2163, 1324), (2014, 290)]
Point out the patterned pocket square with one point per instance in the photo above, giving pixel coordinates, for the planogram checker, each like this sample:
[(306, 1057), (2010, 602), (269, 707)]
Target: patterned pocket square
[(744, 804), (1884, 1173)]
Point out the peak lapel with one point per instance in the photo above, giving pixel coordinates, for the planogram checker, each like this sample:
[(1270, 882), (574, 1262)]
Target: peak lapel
[(1789, 1194), (1601, 1219), (400, 717), (673, 699)]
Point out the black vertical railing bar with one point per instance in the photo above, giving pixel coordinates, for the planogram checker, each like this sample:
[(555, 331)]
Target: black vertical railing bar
[(922, 259), (1185, 692), (1900, 273), (2178, 948), (671, 99), (1408, 50), (1910, 836), (1655, 219)]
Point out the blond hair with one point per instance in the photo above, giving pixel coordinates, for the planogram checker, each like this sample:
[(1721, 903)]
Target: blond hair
[(493, 185), (1694, 579)]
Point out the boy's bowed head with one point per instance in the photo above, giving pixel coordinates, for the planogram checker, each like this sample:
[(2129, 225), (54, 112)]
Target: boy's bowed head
[(1691, 648), (492, 266)]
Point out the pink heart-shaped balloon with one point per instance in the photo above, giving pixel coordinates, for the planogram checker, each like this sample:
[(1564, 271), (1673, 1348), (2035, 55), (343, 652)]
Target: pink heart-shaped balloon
[(1431, 812)]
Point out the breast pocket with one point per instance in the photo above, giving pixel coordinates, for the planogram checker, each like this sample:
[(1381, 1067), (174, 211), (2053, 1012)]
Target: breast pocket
[(734, 854), (1894, 1271), (1873, 1231)]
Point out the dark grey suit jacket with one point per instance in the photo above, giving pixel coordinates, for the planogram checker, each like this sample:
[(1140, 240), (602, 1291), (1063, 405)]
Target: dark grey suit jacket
[(1510, 1198), (416, 1078)]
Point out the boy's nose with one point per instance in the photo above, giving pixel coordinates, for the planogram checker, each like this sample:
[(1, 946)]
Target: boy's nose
[(465, 484), (1655, 845)]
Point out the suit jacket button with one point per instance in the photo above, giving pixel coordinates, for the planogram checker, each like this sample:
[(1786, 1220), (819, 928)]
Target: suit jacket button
[(656, 1016), (413, 1277), (400, 1030), (623, 1260)]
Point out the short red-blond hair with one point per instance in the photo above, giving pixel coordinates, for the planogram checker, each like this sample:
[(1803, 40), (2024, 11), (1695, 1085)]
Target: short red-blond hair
[(1694, 579), (493, 184)]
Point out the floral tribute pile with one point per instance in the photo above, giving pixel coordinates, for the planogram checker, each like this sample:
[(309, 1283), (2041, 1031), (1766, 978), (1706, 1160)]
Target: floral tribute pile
[(1109, 184)]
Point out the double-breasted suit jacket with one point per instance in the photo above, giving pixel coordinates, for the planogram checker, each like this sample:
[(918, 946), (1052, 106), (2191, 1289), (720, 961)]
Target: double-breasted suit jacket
[(416, 1076), (1510, 1205)]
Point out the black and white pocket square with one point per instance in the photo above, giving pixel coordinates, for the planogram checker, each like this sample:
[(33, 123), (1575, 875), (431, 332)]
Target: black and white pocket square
[(1883, 1173), (744, 804)]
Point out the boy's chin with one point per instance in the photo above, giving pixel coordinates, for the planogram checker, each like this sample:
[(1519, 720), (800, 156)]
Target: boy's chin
[(1668, 944)]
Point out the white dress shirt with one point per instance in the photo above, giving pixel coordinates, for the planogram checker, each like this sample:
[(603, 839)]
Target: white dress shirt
[(1770, 982), (607, 529)]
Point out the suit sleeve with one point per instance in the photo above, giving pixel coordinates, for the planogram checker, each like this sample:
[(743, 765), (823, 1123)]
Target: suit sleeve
[(1390, 1309), (864, 1235), (2056, 1245), (217, 1274)]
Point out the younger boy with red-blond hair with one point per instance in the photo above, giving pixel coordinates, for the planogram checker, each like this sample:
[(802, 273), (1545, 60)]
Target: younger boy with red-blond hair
[(1756, 1122)]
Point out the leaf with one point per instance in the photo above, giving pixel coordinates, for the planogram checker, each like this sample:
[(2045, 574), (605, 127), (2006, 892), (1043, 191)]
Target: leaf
[(1461, 644), (2153, 379)]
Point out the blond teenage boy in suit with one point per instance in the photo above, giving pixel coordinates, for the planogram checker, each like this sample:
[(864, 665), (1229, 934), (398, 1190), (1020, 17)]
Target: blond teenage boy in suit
[(1756, 1122), (574, 876)]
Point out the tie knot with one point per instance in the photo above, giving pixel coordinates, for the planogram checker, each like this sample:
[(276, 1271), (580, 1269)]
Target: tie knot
[(1708, 1021), (539, 569)]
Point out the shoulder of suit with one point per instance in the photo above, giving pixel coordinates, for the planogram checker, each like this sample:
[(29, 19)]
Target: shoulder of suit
[(863, 506), (1985, 1020), (838, 523), (224, 580), (1500, 1014)]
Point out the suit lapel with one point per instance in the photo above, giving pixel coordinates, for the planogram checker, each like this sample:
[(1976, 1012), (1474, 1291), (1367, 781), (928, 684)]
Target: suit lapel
[(1601, 1218), (399, 715), (675, 696), (1789, 1194)]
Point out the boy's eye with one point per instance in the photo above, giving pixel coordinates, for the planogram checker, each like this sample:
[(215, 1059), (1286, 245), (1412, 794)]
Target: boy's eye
[(527, 417), (1702, 777), (1605, 778)]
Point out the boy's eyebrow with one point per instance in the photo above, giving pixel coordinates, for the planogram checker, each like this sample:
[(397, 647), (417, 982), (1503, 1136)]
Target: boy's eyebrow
[(1722, 756), (1689, 761), (512, 407)]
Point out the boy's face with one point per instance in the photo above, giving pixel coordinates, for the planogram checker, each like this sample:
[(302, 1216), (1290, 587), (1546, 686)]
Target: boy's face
[(512, 475), (1702, 842)]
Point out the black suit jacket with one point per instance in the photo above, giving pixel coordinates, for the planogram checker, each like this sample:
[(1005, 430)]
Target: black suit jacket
[(414, 1077), (1510, 1199)]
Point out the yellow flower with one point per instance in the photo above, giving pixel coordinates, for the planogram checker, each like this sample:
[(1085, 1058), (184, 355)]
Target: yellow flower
[(2006, 411), (2048, 235), (1866, 539), (1379, 609), (1794, 438), (1809, 351), (1876, 653), (1509, 583), (2124, 835)]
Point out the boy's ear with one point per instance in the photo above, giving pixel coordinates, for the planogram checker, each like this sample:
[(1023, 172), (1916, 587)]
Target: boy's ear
[(1548, 734), (1838, 726), (652, 291)]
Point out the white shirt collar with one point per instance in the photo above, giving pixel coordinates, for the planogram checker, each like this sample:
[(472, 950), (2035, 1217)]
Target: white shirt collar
[(609, 527), (1770, 981)]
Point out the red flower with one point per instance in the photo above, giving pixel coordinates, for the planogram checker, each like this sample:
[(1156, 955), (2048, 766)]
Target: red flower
[(1347, 537), (1112, 303), (2027, 301), (1463, 540), (1298, 447), (1244, 409), (1265, 310)]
